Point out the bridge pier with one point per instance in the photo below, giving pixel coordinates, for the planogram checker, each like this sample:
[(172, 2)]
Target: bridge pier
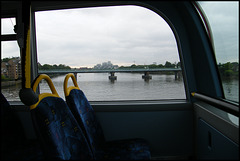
[(146, 76), (112, 76), (177, 75)]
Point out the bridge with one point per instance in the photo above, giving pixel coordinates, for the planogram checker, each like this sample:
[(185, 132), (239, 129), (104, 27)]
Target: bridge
[(112, 72)]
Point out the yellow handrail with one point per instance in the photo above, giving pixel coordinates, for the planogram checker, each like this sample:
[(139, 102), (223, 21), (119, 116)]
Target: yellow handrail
[(68, 89), (43, 95)]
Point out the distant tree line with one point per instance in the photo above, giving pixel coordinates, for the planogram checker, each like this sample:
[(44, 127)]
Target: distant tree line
[(52, 67), (152, 66), (229, 69)]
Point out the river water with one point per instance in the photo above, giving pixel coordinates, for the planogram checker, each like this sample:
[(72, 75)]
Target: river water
[(128, 86)]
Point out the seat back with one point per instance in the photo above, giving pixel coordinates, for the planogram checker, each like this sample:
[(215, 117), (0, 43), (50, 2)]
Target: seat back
[(12, 132), (56, 127), (84, 113)]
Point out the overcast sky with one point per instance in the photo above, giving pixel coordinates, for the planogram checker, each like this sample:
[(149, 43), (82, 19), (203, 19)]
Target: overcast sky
[(123, 35), (223, 18)]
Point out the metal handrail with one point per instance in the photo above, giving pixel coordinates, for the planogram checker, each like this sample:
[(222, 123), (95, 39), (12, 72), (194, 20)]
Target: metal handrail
[(221, 104)]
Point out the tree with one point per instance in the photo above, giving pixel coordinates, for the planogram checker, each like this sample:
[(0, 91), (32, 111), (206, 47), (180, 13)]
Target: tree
[(6, 59), (133, 66), (229, 69), (46, 67), (160, 66), (169, 65), (179, 65), (153, 66)]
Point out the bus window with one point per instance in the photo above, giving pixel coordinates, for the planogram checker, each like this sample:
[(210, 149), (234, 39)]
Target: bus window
[(129, 38), (224, 24), (10, 62)]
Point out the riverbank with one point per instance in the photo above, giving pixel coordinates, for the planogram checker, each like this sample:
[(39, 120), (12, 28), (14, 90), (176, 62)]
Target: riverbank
[(5, 84)]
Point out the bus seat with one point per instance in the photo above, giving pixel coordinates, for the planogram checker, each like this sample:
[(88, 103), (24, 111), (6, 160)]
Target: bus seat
[(14, 144), (128, 149), (58, 131)]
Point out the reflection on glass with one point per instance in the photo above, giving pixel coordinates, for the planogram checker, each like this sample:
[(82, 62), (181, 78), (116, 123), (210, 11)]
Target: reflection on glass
[(223, 17)]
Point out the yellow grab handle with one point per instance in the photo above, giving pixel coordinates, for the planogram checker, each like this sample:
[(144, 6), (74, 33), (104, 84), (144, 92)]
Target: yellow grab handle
[(68, 89), (43, 95), (49, 81)]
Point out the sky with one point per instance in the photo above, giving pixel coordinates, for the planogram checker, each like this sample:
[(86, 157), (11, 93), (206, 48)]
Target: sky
[(124, 35), (224, 21)]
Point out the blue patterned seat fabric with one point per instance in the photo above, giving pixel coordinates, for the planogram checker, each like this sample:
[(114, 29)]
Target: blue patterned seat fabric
[(129, 149), (60, 134)]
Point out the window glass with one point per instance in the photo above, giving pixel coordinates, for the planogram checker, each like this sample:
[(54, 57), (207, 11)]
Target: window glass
[(223, 18), (129, 38), (10, 62), (10, 70), (7, 26)]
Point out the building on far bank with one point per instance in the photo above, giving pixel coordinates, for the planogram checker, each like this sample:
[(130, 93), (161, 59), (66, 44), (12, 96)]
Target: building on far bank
[(12, 69), (105, 65)]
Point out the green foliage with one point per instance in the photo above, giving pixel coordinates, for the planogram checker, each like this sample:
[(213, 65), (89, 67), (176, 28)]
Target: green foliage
[(226, 70), (229, 69), (2, 77), (228, 73), (7, 59), (152, 66), (53, 67), (169, 65)]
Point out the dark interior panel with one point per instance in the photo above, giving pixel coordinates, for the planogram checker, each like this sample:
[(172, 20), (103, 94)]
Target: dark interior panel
[(212, 144)]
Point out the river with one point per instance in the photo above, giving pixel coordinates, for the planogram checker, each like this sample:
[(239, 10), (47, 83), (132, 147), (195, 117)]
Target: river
[(128, 86)]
